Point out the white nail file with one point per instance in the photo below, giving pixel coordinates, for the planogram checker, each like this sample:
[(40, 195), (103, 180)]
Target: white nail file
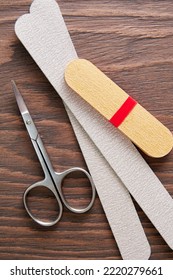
[(123, 221), (117, 203), (45, 36), (115, 199)]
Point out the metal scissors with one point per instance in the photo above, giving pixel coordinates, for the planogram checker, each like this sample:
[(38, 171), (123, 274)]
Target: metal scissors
[(53, 180)]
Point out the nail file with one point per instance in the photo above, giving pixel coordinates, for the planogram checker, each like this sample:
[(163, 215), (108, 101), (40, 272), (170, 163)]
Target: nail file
[(150, 135), (115, 198), (45, 36)]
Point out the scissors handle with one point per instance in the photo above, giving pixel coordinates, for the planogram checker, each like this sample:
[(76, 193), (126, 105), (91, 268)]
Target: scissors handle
[(59, 183), (45, 184), (58, 193)]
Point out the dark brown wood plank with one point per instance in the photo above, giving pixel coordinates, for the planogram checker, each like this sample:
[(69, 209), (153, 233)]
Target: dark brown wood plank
[(132, 42)]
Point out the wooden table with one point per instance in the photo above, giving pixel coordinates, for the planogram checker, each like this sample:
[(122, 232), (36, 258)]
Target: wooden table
[(132, 43)]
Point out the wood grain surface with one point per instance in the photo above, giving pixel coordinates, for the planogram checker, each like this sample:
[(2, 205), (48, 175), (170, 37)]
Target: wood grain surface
[(132, 42)]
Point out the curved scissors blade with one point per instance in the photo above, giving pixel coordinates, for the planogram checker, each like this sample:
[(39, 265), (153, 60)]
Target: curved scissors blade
[(30, 126)]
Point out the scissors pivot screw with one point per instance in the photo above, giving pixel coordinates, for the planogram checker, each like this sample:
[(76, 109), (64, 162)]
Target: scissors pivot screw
[(28, 122)]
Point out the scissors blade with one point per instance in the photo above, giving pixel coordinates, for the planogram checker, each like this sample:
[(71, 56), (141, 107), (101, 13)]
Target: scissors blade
[(20, 102), (30, 126)]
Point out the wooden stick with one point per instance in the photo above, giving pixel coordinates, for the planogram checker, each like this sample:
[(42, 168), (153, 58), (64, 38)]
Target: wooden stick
[(150, 135)]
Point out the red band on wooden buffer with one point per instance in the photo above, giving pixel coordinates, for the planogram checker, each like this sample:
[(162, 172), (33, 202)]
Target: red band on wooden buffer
[(123, 111)]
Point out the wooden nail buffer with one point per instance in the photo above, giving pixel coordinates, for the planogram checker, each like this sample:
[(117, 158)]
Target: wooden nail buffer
[(150, 135)]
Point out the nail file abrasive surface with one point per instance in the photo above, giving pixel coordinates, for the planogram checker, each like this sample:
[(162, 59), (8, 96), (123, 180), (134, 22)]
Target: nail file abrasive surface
[(45, 36), (115, 198)]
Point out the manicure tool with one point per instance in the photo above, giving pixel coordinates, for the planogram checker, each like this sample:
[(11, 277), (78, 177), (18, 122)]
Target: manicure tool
[(52, 51), (53, 180), (120, 109)]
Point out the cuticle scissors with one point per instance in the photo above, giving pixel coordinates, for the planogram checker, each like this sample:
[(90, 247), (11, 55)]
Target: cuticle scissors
[(53, 180)]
